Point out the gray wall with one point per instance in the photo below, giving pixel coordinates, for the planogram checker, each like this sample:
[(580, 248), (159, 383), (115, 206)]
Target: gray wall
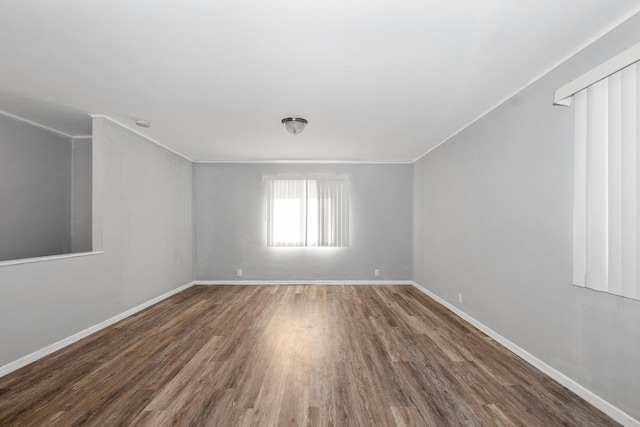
[(492, 219), (147, 230), (230, 225), (81, 193), (35, 195)]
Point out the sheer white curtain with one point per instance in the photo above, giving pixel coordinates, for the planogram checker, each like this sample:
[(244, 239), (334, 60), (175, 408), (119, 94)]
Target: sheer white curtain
[(333, 213), (606, 182), (308, 212), (286, 212)]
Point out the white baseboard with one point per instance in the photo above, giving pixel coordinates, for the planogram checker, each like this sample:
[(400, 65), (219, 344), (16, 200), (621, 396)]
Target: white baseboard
[(23, 361), (303, 282), (595, 400)]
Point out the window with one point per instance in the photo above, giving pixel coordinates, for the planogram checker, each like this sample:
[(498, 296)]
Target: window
[(606, 221), (308, 212)]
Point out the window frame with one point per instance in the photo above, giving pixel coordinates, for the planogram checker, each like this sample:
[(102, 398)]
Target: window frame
[(344, 237), (606, 231)]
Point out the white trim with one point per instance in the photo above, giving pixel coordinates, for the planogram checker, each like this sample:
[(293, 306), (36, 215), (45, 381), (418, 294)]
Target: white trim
[(97, 178), (606, 407), (563, 95), (304, 177), (140, 134), (592, 398), (82, 137), (48, 258), (23, 361), (306, 162), (303, 282), (562, 60), (36, 124)]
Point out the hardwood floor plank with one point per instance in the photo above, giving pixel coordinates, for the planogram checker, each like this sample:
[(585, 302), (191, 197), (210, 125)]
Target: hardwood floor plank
[(406, 416), (322, 416), (492, 415), (289, 356)]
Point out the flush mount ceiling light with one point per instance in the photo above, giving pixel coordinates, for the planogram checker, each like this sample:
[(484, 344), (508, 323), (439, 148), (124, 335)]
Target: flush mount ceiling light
[(143, 123), (295, 125)]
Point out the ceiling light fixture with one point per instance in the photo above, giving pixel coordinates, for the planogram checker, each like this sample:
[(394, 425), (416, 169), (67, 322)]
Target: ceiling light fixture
[(143, 123), (295, 125)]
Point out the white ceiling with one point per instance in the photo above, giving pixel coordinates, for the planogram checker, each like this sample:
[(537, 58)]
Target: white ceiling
[(379, 81)]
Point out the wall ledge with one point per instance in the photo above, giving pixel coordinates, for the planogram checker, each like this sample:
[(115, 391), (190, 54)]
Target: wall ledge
[(48, 258)]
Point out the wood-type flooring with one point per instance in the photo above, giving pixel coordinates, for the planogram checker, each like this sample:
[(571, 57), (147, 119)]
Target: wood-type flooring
[(289, 356)]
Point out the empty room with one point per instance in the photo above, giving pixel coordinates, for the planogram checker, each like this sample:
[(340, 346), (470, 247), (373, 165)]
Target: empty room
[(337, 213)]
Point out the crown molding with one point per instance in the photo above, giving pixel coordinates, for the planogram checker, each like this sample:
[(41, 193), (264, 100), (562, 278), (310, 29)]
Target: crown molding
[(597, 36), (140, 134), (36, 124), (305, 162)]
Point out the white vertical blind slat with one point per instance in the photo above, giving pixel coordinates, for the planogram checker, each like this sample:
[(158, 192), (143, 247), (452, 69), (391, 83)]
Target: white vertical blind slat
[(629, 177), (615, 183), (270, 197), (580, 188), (597, 189), (634, 288), (320, 237)]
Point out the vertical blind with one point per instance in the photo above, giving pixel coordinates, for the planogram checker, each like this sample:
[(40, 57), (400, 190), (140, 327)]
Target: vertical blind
[(286, 212), (333, 213), (606, 182), (307, 212)]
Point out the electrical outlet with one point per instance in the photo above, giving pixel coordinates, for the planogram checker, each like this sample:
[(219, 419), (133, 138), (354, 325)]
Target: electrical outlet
[(239, 272), (376, 272), (459, 296)]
